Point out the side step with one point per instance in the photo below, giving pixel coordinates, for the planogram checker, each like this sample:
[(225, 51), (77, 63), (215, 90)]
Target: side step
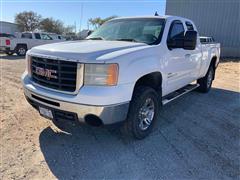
[(178, 93)]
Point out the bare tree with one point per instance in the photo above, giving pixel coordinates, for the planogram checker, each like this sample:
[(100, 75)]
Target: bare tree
[(96, 22), (69, 30), (51, 25), (28, 20)]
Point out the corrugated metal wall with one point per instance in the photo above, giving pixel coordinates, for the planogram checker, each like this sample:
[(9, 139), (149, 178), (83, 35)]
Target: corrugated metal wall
[(217, 18), (6, 27)]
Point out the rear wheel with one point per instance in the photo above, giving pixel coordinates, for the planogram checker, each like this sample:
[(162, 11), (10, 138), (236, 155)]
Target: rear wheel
[(206, 82), (21, 50), (143, 112)]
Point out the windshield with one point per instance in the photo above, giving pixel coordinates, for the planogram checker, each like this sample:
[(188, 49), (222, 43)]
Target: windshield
[(146, 30)]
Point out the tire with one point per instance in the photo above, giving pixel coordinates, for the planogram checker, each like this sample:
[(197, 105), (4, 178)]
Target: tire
[(206, 82), (135, 125), (9, 53), (21, 50)]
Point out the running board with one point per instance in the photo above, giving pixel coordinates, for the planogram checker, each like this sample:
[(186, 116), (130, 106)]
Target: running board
[(178, 93)]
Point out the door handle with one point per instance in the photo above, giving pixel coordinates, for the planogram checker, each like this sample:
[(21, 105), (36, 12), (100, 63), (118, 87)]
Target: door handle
[(187, 55)]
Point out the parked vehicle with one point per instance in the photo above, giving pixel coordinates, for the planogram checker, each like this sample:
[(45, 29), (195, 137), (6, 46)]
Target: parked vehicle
[(84, 33), (5, 43), (124, 72), (56, 36), (26, 40)]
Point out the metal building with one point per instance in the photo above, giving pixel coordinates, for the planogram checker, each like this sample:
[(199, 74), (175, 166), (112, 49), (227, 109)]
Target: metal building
[(7, 27), (217, 18)]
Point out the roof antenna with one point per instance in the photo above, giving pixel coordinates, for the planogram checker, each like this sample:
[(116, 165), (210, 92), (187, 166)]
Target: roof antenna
[(156, 14)]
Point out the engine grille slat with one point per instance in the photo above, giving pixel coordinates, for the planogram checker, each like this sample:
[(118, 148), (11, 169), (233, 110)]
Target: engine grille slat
[(61, 77), (61, 72), (46, 63), (54, 83), (64, 72)]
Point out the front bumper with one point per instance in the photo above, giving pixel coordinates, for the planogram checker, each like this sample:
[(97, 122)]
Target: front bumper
[(106, 114)]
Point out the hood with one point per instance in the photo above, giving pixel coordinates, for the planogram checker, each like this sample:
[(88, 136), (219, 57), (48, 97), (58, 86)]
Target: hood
[(83, 50)]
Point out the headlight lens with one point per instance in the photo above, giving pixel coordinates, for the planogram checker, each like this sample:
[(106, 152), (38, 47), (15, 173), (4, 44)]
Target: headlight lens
[(101, 74)]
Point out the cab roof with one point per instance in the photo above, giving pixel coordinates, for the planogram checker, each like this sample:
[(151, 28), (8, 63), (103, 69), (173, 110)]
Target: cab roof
[(168, 17)]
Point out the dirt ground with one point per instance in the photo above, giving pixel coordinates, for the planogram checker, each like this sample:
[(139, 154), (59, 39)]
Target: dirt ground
[(196, 137)]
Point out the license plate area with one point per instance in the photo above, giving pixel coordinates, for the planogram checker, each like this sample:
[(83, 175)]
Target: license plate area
[(45, 112)]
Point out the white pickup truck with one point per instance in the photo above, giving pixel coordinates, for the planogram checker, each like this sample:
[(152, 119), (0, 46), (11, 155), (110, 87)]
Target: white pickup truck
[(27, 40), (5, 42), (123, 72)]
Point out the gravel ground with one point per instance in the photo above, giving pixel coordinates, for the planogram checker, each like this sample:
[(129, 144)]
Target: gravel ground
[(196, 137)]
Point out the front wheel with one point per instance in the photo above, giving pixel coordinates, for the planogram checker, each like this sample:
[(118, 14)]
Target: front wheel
[(143, 112), (206, 82)]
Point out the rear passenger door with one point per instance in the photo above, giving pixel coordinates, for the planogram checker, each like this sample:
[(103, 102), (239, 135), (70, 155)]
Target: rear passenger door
[(38, 40), (28, 38), (41, 39), (194, 56)]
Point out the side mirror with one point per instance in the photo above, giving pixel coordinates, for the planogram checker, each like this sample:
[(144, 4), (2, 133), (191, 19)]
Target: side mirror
[(89, 33), (176, 42), (190, 40)]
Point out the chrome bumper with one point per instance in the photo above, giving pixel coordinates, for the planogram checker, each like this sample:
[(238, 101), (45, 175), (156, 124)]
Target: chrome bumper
[(107, 114)]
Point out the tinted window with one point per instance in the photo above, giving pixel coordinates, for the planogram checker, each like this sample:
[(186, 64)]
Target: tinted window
[(203, 40), (46, 37), (206, 39), (211, 40), (7, 35), (189, 26), (27, 35), (176, 30), (37, 36)]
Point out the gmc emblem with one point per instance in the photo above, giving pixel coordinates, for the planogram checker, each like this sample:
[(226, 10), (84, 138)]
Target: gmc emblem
[(48, 73)]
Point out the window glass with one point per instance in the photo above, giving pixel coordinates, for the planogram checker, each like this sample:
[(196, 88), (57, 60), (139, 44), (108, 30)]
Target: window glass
[(177, 30), (145, 30), (189, 26), (37, 36), (203, 40), (27, 35), (46, 37), (152, 30), (7, 35)]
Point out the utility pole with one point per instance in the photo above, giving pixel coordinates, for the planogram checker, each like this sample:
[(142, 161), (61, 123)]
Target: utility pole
[(80, 29), (75, 27)]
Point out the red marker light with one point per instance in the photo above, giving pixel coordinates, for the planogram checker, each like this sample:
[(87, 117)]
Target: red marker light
[(7, 42)]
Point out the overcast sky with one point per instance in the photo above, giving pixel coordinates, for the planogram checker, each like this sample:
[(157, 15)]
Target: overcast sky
[(69, 11)]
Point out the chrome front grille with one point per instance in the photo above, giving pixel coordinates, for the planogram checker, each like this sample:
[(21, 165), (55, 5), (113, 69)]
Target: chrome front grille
[(56, 74)]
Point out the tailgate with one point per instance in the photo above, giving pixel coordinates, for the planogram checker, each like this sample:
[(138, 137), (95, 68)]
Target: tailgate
[(5, 42)]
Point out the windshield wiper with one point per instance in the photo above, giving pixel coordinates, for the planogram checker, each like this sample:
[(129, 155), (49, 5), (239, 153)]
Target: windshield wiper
[(126, 39), (96, 38)]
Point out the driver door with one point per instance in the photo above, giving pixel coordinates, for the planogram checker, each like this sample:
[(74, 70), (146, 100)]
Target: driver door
[(179, 65)]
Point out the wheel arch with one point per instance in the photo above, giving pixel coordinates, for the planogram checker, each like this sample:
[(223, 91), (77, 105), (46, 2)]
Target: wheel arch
[(153, 80), (21, 44), (214, 64)]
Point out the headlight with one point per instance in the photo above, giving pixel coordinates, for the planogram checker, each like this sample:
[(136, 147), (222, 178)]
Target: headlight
[(101, 74), (29, 62)]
